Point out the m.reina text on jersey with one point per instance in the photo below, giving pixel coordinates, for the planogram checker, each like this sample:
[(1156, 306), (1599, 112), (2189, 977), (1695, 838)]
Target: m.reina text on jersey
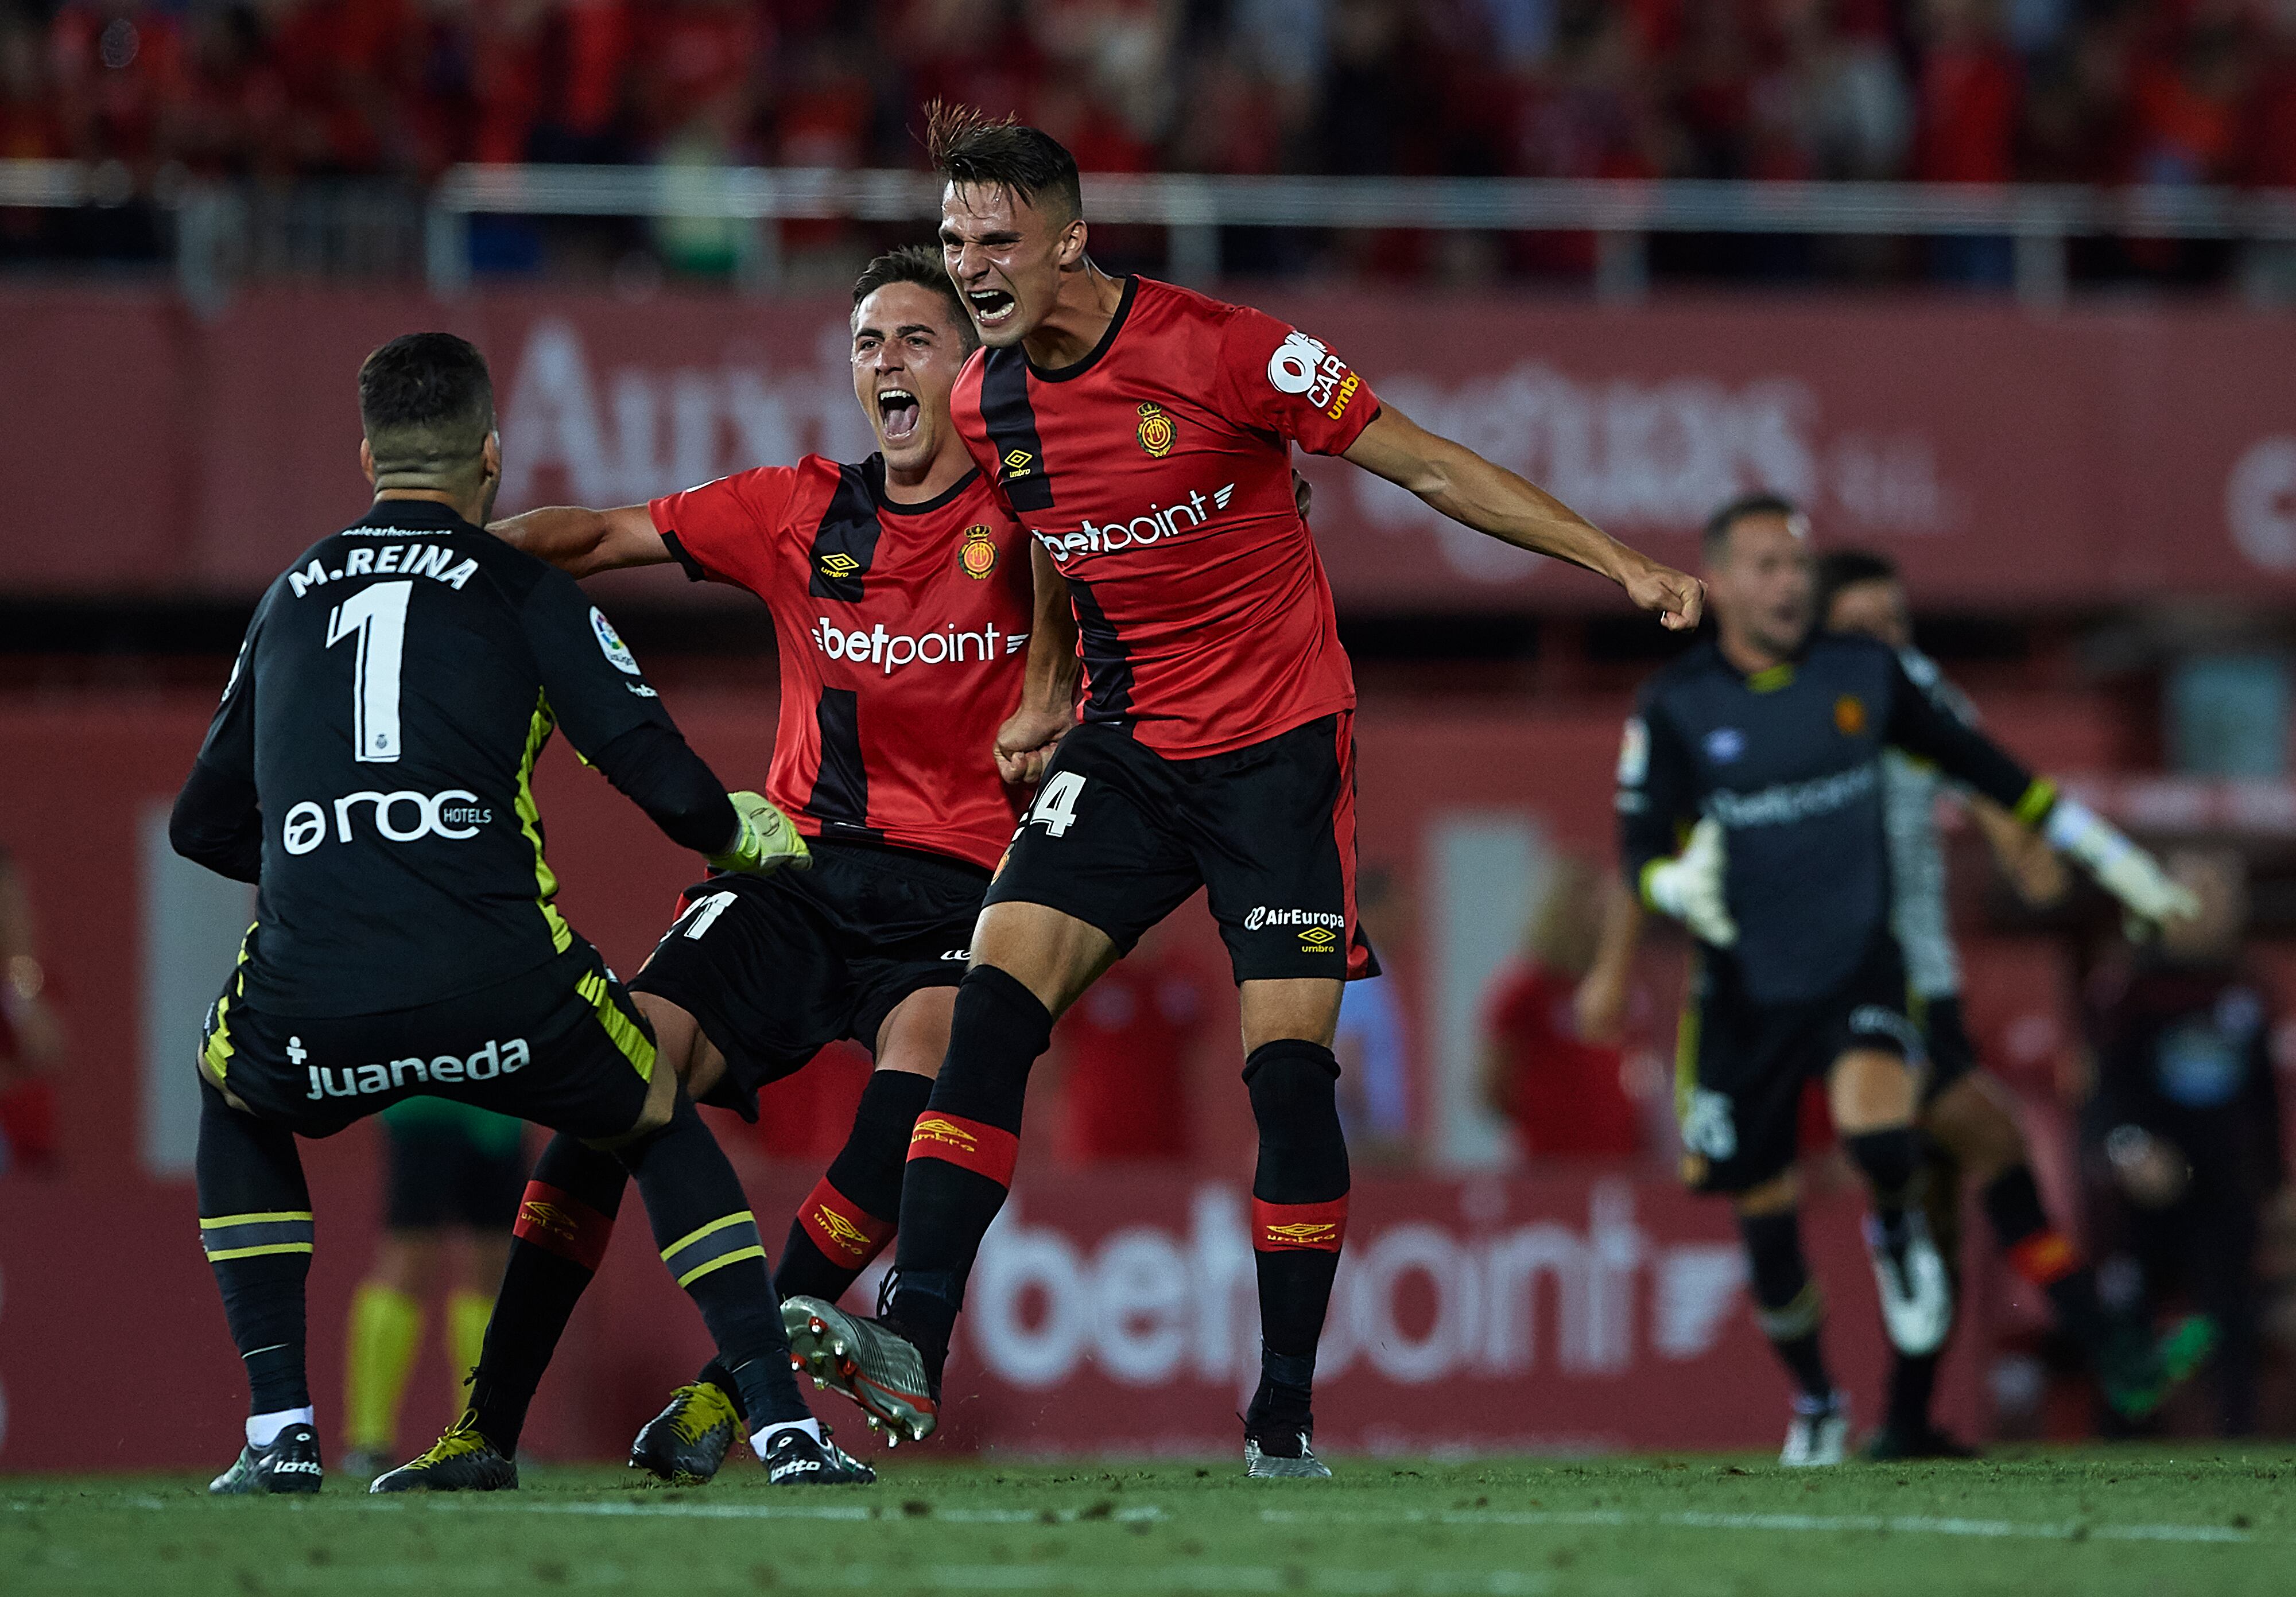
[(494, 1059), (403, 559)]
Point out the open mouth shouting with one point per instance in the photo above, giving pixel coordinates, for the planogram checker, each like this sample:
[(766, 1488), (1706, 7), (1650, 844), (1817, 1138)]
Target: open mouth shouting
[(897, 414), (992, 307)]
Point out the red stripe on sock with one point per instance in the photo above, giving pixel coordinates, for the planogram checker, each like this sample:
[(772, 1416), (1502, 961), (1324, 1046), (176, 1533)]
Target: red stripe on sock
[(968, 1144), (2046, 1258), (1321, 1226), (842, 1229), (562, 1223)]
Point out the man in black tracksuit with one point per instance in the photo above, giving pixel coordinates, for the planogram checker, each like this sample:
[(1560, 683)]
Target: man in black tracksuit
[(1750, 808)]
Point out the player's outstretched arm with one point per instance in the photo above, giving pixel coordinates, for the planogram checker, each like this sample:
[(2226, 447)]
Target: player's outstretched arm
[(1048, 695), (1493, 500), (582, 542)]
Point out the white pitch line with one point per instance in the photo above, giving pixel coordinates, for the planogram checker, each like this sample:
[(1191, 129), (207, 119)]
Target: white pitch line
[(638, 1508), (1197, 1578), (1903, 1524)]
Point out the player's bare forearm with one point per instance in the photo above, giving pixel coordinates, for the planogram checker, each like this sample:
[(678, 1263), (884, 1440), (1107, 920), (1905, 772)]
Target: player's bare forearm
[(1601, 1002), (1473, 491), (1048, 689), (2024, 855), (582, 542)]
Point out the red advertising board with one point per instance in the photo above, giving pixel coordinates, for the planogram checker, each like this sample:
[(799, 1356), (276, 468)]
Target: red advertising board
[(2006, 459)]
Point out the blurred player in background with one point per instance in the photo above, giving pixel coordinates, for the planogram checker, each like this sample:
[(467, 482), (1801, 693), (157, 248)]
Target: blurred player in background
[(1373, 1040), (1560, 1084), (31, 1039), (901, 608), (2186, 1113), (451, 1176), (1125, 1055), (1752, 809), (370, 770), (1972, 1134), (1142, 434)]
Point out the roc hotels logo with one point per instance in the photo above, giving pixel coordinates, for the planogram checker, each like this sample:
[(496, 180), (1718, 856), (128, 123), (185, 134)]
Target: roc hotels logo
[(1017, 462), (839, 1230), (1156, 432), (936, 1130), (839, 564), (976, 555)]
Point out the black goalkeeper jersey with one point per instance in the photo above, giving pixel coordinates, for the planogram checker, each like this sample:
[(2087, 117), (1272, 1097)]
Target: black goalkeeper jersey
[(379, 737), (1789, 761)]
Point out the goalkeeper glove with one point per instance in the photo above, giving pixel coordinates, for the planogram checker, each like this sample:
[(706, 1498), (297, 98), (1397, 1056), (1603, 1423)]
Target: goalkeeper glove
[(2120, 867), (1689, 885), (765, 843)]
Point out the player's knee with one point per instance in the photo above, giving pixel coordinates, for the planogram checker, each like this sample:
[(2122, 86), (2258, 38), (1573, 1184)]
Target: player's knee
[(1977, 1129), (1293, 1083)]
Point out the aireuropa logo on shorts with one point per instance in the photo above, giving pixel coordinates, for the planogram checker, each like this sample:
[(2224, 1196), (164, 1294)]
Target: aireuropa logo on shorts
[(893, 649), (1259, 915), (399, 817), (1150, 526)]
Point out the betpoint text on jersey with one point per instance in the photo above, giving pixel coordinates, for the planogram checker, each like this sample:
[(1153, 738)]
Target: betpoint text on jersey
[(1154, 524), (892, 649)]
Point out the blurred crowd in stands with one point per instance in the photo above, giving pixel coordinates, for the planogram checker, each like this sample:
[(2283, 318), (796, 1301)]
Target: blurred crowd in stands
[(1980, 91)]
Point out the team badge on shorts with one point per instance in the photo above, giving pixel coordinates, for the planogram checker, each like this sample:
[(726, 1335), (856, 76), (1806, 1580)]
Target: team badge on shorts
[(976, 555), (1156, 430), (1850, 715)]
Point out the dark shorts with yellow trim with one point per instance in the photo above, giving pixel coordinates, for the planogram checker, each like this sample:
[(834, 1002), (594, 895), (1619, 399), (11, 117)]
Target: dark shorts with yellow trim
[(1945, 1037), (776, 968), (1740, 1066), (435, 1176), (561, 1045), (1118, 836)]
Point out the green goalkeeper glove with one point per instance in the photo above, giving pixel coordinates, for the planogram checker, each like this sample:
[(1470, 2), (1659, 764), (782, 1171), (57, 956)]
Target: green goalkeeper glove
[(2120, 867), (1689, 885), (766, 843)]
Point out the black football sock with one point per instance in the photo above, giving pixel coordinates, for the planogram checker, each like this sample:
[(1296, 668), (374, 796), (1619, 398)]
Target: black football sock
[(1891, 1161), (1788, 1304), (1913, 1384), (961, 1154), (1299, 1218), (1913, 1379), (2045, 1256), (564, 1221), (849, 1217), (255, 1227), (709, 1239)]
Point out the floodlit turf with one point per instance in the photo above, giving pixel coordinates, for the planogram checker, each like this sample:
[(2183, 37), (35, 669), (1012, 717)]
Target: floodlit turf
[(2152, 1521)]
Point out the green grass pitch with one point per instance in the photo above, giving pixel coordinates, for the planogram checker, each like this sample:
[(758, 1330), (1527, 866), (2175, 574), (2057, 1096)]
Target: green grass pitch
[(2152, 1521)]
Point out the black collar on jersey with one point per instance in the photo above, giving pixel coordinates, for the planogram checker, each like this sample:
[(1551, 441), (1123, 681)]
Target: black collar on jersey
[(873, 470), (429, 515), (1769, 679), (1115, 326)]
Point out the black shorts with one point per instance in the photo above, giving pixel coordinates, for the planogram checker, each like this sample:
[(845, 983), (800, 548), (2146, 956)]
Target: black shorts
[(1945, 1037), (1740, 1067), (561, 1045), (776, 968), (435, 1176), (1119, 837)]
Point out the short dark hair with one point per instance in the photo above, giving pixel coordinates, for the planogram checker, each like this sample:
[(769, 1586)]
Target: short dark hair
[(426, 402), (967, 146), (1840, 569), (914, 263), (1760, 504)]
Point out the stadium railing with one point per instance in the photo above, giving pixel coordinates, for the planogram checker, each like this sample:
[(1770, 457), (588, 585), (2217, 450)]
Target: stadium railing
[(213, 221)]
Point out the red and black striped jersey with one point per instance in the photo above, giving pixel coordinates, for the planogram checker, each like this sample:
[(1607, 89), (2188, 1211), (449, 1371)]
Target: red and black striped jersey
[(1157, 471), (902, 632)]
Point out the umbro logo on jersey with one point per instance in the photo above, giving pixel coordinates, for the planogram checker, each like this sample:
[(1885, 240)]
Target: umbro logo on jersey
[(1017, 462), (839, 564), (1157, 523)]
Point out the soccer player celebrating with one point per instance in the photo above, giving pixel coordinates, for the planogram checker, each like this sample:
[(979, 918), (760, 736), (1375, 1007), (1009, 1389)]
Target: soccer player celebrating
[(1752, 809), (902, 608), (1142, 434), (1971, 1134), (369, 768)]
